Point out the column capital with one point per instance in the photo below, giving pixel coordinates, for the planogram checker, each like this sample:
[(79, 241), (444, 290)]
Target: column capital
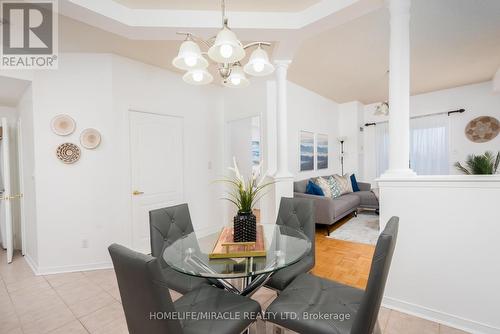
[(401, 7), (282, 63)]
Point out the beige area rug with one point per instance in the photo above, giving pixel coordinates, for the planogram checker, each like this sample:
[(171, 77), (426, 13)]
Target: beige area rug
[(362, 229)]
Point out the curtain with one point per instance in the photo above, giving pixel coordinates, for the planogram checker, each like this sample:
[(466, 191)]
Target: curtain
[(429, 149), (382, 147)]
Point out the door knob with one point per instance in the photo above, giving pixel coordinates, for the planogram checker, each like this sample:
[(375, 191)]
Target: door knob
[(137, 192)]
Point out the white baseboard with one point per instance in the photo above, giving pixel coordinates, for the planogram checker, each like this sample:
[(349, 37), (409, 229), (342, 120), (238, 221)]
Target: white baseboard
[(31, 263), (73, 268), (439, 317)]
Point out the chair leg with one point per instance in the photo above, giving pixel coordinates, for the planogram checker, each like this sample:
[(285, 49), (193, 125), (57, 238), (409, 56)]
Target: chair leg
[(355, 213)]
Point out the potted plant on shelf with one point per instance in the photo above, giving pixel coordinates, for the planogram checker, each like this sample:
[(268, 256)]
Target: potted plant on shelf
[(244, 195), (480, 164)]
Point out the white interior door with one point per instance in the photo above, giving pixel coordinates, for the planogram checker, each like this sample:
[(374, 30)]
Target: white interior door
[(157, 169), (22, 216), (7, 238)]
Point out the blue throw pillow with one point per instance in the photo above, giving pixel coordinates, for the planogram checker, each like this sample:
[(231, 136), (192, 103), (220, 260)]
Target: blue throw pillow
[(354, 183), (314, 189)]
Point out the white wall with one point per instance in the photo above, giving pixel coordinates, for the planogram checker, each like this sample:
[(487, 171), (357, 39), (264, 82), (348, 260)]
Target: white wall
[(445, 266), (309, 111), (90, 200), (477, 100)]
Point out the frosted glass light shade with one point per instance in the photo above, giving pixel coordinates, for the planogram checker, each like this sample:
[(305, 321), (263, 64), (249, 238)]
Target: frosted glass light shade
[(189, 57), (227, 49), (382, 109), (237, 78), (198, 77), (258, 65)]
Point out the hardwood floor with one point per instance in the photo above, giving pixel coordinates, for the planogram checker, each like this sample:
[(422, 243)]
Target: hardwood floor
[(342, 261)]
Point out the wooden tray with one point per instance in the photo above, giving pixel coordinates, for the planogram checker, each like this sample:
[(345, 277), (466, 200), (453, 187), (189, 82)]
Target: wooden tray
[(225, 247)]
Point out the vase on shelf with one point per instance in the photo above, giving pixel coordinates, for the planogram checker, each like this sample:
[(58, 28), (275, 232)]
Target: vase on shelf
[(245, 227)]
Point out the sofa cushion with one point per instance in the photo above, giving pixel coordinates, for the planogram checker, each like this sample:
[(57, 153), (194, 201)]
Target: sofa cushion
[(314, 189), (354, 183), (345, 203), (367, 198), (334, 187), (344, 183), (324, 185), (300, 186)]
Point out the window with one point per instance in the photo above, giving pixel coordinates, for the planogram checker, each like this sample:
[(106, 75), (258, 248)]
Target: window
[(429, 147)]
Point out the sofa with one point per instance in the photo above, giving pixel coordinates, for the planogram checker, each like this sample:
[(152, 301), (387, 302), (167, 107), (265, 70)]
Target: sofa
[(330, 210)]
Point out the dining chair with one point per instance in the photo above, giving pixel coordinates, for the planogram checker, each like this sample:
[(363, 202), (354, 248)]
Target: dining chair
[(348, 310), (166, 226), (297, 213), (149, 308)]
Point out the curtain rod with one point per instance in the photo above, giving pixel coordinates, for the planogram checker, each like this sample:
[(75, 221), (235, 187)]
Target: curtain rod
[(426, 115)]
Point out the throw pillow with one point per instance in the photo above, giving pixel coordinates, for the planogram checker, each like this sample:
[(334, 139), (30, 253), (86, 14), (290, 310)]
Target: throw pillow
[(323, 184), (344, 183), (314, 189), (334, 187), (354, 183)]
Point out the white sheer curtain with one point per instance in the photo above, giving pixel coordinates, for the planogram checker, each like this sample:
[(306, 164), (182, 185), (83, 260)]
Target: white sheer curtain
[(382, 146), (429, 150)]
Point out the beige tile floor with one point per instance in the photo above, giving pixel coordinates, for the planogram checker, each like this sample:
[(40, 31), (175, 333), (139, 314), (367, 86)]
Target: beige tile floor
[(89, 302)]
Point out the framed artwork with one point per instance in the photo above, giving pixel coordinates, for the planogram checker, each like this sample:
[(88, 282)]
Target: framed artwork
[(306, 151), (321, 151)]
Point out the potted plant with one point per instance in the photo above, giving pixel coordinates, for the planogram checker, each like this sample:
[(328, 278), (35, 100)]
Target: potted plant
[(244, 195), (480, 164)]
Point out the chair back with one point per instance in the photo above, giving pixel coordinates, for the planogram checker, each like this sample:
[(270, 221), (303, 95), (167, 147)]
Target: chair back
[(298, 213), (366, 317), (166, 226), (145, 297)]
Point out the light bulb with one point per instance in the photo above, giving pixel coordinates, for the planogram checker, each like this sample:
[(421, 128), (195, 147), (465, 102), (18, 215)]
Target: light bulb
[(258, 66), (191, 60), (226, 50), (235, 80), (198, 76)]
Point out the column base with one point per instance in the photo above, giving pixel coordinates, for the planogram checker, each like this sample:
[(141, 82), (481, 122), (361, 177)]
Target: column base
[(397, 173)]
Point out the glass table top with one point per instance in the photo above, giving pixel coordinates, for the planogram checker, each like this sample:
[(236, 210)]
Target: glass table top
[(190, 255)]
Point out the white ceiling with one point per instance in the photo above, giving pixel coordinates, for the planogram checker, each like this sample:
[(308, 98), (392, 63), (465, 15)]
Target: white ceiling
[(11, 91), (453, 43), (344, 53), (234, 5)]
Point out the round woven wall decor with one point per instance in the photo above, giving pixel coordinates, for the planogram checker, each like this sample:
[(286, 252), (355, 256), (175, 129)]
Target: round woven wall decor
[(482, 129), (68, 153)]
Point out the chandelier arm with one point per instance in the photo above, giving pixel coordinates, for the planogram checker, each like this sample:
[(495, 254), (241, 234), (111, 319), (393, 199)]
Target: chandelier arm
[(195, 37), (249, 45)]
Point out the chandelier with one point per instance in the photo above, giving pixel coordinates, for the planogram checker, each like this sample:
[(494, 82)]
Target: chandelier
[(227, 52)]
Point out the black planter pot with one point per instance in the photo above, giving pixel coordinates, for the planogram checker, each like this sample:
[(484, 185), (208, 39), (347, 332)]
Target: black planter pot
[(245, 227)]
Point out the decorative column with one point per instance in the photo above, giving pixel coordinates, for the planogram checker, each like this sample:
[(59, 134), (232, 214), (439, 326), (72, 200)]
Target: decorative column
[(278, 145), (282, 119), (399, 90)]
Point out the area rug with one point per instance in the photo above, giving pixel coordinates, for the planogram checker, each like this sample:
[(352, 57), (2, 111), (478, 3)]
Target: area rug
[(362, 229)]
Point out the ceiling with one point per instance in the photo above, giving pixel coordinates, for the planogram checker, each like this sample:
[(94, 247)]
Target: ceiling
[(233, 5), (453, 43), (11, 90)]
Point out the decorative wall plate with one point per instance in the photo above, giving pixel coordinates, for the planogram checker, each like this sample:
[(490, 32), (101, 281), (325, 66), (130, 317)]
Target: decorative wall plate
[(90, 138), (482, 129), (63, 125), (68, 153)]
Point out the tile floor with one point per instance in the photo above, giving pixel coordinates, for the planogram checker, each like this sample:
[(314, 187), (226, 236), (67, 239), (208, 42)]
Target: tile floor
[(89, 302)]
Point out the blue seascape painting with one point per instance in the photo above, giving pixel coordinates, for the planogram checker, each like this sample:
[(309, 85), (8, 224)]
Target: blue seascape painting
[(322, 151), (306, 151)]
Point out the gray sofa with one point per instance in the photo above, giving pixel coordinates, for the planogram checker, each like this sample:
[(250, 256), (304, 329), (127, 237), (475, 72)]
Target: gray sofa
[(329, 211)]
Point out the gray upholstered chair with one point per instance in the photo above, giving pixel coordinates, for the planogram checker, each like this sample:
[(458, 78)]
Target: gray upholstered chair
[(312, 295), (166, 226), (297, 213), (149, 308)]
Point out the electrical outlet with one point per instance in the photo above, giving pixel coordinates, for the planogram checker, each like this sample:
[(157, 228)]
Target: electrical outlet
[(85, 243)]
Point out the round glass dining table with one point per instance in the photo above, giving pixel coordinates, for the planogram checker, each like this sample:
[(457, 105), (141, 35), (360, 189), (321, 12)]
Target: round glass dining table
[(284, 246)]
